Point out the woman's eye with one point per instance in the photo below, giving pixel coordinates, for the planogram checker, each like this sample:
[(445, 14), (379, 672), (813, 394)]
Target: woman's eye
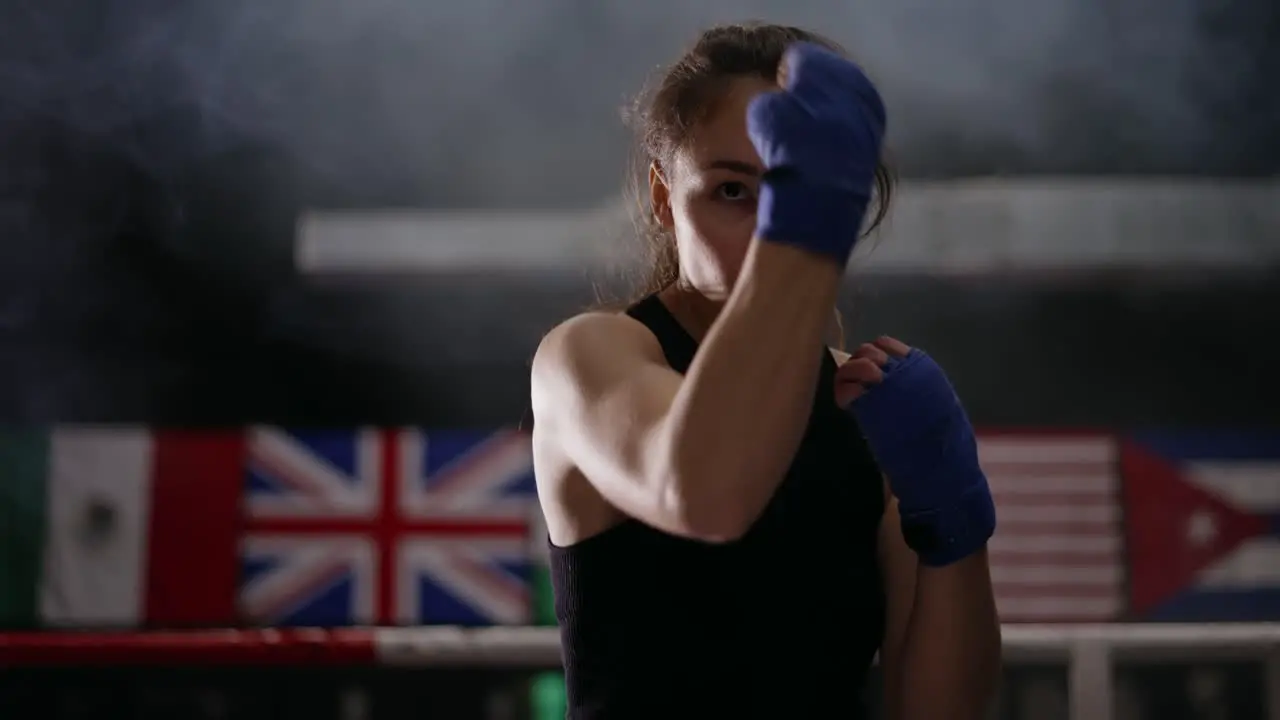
[(733, 191)]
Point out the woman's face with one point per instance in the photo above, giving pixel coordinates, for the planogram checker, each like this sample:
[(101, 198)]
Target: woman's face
[(707, 196)]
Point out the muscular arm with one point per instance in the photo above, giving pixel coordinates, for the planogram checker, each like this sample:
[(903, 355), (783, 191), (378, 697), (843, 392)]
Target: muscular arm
[(698, 456), (941, 652)]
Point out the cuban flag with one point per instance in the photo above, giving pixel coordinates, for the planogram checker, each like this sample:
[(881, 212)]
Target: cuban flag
[(386, 526), (1203, 525)]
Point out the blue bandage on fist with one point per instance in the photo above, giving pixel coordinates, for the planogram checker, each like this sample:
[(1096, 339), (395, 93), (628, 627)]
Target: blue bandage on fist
[(921, 437), (819, 139)]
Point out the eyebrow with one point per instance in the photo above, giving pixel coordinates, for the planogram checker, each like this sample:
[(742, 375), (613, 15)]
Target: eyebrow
[(745, 168)]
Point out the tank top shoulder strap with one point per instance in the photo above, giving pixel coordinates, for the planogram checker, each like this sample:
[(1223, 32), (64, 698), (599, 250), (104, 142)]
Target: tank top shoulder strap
[(678, 346)]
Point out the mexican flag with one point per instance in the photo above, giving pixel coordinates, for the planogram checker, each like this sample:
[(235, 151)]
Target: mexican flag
[(118, 526)]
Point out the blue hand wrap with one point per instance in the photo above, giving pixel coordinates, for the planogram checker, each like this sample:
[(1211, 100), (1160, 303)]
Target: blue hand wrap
[(819, 140), (921, 437)]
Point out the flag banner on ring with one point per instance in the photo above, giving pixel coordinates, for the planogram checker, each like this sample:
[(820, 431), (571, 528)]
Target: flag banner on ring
[(1057, 554), (134, 526), (387, 527), (118, 526), (1203, 525)]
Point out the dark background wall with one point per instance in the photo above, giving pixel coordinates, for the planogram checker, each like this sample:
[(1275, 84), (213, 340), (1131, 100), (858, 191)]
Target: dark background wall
[(155, 155)]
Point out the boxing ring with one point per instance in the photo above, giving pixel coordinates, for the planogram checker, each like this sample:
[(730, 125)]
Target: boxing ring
[(1089, 651), (1088, 662)]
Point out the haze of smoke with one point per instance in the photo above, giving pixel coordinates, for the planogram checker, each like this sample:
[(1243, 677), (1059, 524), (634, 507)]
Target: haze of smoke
[(492, 102), (111, 110)]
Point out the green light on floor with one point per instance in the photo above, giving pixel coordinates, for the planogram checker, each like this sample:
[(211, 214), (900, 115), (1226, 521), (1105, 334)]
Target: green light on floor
[(547, 697)]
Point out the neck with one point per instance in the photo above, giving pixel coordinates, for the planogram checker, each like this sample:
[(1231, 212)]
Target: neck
[(695, 311)]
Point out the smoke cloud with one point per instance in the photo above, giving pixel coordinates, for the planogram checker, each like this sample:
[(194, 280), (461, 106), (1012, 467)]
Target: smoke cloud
[(497, 102), (154, 152)]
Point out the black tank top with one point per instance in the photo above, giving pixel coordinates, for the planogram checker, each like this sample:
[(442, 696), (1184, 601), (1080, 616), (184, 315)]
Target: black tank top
[(782, 623)]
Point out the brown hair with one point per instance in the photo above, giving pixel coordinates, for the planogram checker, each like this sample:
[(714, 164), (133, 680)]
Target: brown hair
[(666, 112)]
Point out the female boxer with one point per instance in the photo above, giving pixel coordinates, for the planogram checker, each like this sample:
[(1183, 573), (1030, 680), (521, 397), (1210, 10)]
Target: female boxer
[(724, 544)]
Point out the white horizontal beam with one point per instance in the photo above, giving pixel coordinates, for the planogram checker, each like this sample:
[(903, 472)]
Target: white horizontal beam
[(971, 226)]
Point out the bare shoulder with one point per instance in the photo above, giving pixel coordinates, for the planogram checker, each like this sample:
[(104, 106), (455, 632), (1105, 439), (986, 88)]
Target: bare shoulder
[(590, 339), (583, 332), (579, 362), (586, 351)]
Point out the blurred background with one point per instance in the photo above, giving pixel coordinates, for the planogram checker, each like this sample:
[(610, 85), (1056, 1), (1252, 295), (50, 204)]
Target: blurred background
[(271, 274)]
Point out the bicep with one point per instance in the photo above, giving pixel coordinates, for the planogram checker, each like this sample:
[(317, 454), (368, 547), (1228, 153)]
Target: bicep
[(601, 389), (898, 566)]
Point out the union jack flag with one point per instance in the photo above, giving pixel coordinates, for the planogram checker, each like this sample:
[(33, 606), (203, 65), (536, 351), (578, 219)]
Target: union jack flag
[(374, 526)]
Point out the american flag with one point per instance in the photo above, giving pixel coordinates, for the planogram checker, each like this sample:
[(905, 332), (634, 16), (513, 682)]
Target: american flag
[(1057, 555), (375, 526)]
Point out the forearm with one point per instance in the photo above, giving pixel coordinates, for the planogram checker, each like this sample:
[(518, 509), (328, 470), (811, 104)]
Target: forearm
[(742, 409), (950, 664)]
